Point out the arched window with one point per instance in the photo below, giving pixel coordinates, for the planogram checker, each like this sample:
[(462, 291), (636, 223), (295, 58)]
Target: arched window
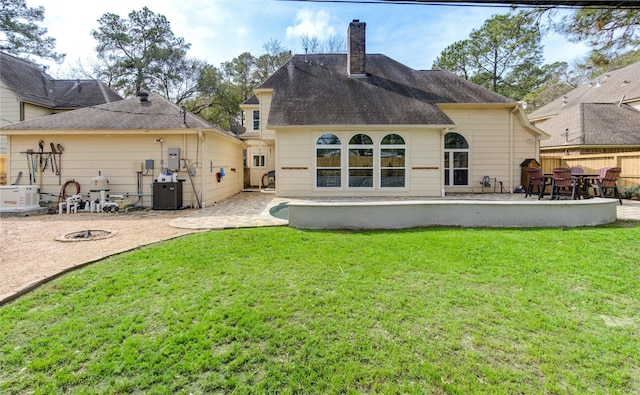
[(360, 161), (328, 162), (392, 161), (456, 160)]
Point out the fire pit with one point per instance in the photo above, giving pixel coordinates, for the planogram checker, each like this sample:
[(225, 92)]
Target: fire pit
[(87, 235)]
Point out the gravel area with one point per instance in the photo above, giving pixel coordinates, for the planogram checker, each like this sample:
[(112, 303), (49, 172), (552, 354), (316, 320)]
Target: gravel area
[(30, 251)]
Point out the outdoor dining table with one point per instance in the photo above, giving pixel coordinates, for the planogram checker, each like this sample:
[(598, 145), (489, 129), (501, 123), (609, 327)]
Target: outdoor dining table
[(583, 180)]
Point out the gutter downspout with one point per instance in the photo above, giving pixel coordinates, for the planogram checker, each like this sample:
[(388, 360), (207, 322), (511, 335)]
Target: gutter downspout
[(511, 147)]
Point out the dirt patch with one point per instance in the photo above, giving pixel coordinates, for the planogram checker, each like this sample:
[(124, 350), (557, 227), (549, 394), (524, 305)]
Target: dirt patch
[(31, 253)]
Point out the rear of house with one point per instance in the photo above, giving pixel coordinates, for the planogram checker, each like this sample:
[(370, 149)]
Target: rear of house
[(360, 124)]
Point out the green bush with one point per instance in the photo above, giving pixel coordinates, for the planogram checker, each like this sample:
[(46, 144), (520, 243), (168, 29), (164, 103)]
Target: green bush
[(630, 192)]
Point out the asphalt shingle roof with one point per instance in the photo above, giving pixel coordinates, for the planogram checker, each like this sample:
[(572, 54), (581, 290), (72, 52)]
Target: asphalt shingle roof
[(611, 87), (33, 85), (316, 90), (594, 124), (127, 114), (595, 113)]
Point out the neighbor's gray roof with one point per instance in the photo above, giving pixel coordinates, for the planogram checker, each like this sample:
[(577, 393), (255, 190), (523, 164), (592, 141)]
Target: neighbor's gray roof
[(316, 90), (128, 114), (594, 124), (33, 85), (611, 87)]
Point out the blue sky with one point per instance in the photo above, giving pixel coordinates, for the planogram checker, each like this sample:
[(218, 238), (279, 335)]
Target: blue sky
[(220, 30)]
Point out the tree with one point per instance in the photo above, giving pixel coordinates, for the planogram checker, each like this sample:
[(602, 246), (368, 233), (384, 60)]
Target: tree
[(313, 45), (218, 100), (266, 64), (177, 77), (20, 34), (135, 50), (560, 79), (241, 71), (498, 55), (310, 44), (455, 58), (335, 44), (609, 31)]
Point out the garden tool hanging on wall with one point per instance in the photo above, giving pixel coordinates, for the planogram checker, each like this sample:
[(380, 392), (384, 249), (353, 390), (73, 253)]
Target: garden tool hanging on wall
[(54, 162), (41, 167), (59, 151)]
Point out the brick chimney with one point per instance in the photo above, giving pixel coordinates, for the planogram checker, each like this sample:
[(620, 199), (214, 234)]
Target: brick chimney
[(356, 49)]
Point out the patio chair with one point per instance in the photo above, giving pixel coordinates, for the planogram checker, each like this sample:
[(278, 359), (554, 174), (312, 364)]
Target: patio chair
[(562, 183), (608, 182), (537, 180), (593, 181)]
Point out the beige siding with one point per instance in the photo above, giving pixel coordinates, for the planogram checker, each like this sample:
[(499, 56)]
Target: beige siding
[(9, 113), (9, 106), (294, 164), (226, 154), (295, 173), (31, 111), (424, 162), (118, 157), (248, 117), (492, 133), (258, 148), (265, 105)]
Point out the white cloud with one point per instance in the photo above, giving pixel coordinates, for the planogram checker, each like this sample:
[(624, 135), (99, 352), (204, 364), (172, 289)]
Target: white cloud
[(314, 24)]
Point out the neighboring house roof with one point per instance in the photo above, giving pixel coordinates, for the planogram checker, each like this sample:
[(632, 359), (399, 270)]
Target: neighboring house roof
[(621, 85), (595, 113), (128, 114), (33, 85), (594, 124), (317, 90)]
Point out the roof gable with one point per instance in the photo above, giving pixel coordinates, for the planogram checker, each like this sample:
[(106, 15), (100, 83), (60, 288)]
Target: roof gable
[(317, 90), (155, 113), (33, 85)]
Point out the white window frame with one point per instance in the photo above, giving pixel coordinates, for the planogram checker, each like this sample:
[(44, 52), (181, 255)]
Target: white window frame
[(262, 160), (371, 147), (395, 147), (255, 119), (340, 168), (451, 168)]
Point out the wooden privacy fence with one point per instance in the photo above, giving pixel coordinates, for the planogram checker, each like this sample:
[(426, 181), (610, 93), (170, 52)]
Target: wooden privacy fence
[(629, 162), (3, 169)]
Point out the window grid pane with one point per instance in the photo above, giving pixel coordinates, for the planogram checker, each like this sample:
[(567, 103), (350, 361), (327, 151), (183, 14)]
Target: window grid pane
[(392, 162), (360, 178), (456, 160), (256, 120), (328, 161)]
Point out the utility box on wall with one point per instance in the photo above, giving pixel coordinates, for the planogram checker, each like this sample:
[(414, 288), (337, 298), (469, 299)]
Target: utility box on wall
[(174, 159)]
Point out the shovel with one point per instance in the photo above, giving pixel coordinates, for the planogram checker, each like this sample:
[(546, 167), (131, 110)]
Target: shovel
[(54, 163)]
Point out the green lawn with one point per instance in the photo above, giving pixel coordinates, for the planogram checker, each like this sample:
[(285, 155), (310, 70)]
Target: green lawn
[(285, 311)]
